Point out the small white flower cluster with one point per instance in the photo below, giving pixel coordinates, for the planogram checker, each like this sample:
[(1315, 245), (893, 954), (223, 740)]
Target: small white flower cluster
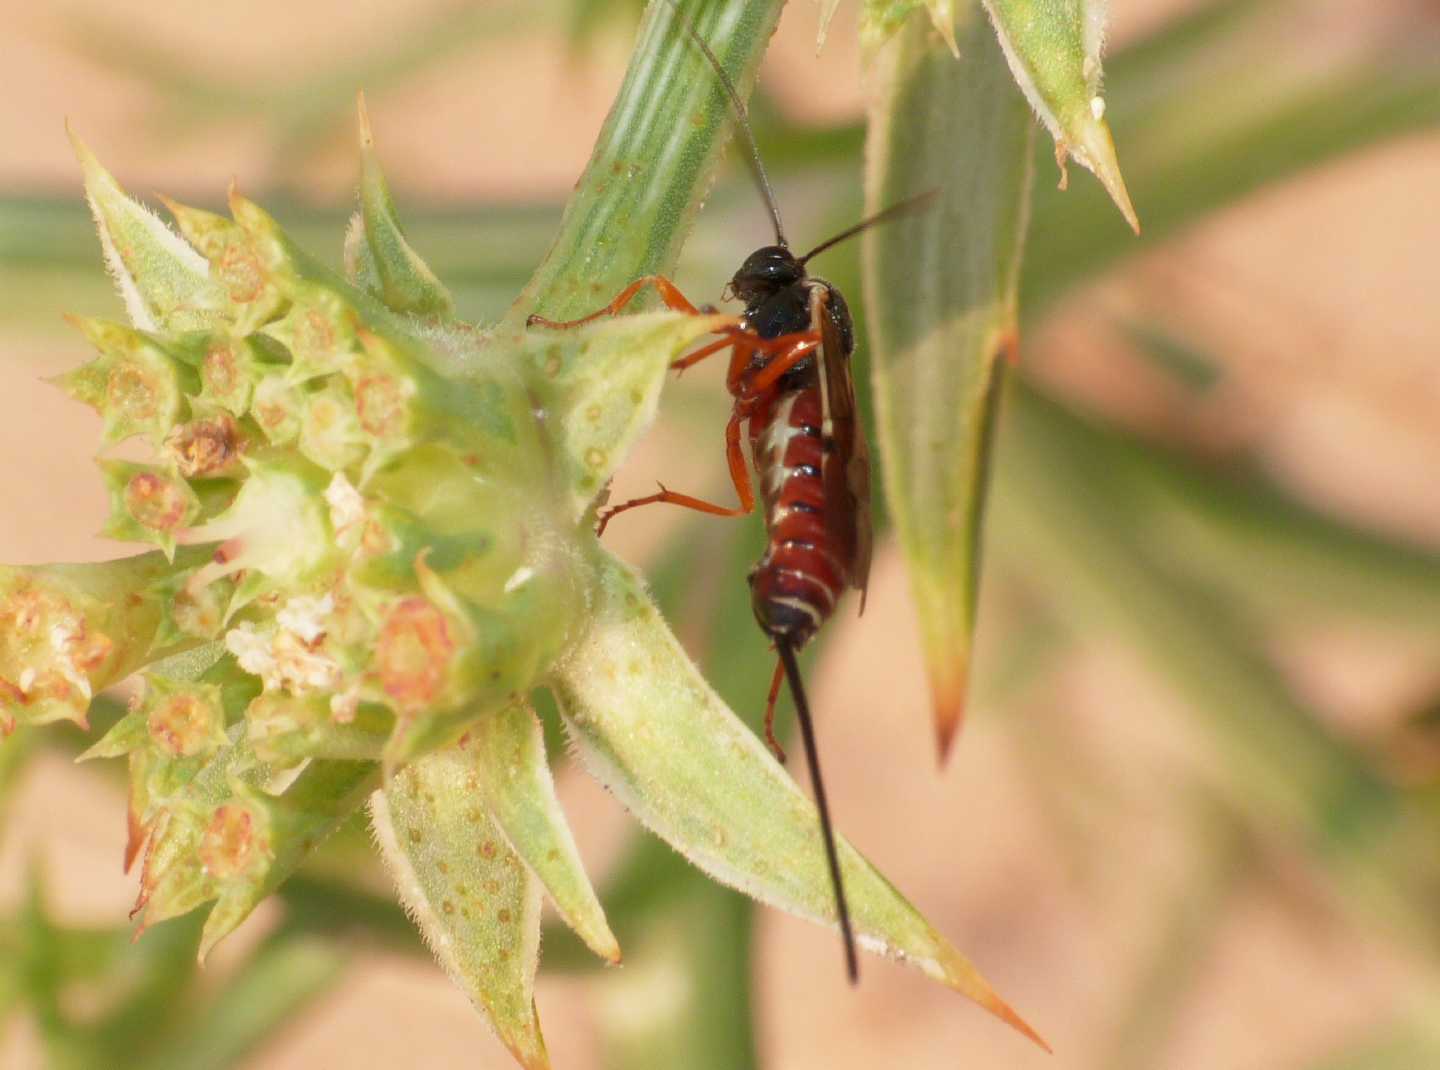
[(289, 656)]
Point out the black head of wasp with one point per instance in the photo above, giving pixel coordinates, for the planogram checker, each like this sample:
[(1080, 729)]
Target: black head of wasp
[(791, 379)]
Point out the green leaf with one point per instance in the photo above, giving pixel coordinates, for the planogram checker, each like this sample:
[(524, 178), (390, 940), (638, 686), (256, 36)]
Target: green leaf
[(649, 727), (940, 301), (1278, 127), (474, 900), (881, 19), (514, 781), (69, 631), (297, 821), (162, 280), (1053, 47), (147, 504), (603, 383), (135, 386), (376, 248)]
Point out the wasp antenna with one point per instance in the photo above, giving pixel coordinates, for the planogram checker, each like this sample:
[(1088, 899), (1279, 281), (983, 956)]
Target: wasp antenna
[(918, 203), (742, 121), (812, 756)]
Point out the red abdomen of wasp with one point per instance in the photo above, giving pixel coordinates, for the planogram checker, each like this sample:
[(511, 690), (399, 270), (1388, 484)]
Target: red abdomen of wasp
[(796, 584)]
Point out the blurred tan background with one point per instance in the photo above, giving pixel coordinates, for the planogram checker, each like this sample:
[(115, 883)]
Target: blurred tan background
[(1054, 848)]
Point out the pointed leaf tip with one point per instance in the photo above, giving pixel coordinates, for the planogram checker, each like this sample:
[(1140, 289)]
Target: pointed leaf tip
[(649, 727), (938, 352), (508, 748), (378, 253), (362, 115), (1095, 151), (163, 282), (1053, 51), (475, 902), (961, 975), (948, 693), (942, 17)]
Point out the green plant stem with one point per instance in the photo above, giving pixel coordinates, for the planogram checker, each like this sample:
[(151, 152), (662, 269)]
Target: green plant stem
[(274, 987), (655, 157), (631, 210)]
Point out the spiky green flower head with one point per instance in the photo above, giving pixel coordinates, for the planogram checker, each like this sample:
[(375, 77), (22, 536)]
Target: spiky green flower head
[(373, 536)]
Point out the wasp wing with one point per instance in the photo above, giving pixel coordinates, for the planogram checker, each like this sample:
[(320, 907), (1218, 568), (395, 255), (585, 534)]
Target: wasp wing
[(845, 468)]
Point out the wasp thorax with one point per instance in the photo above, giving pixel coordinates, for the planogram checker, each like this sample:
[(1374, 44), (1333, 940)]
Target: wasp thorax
[(766, 271)]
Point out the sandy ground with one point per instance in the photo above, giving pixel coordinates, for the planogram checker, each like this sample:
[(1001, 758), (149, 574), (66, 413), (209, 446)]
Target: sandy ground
[(1328, 333)]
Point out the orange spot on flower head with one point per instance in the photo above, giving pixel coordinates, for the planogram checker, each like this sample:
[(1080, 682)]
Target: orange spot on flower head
[(10, 694), (381, 405), (182, 725), (48, 651), (272, 415), (220, 371), (198, 612), (205, 447), (88, 650), (231, 844), (241, 272), (155, 502), (128, 390), (414, 652), (316, 334)]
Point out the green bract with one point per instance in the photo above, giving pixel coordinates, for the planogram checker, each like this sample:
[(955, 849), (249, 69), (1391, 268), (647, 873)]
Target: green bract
[(1054, 51), (375, 538), (940, 297)]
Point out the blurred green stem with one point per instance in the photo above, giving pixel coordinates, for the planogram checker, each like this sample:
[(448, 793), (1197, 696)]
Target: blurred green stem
[(1201, 901), (273, 988), (1244, 534), (1280, 766), (684, 997)]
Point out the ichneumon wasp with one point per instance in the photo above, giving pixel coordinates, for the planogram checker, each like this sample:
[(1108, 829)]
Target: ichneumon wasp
[(790, 377)]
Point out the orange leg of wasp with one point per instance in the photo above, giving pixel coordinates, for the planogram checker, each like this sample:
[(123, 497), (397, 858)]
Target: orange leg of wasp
[(790, 350), (740, 358), (739, 475), (732, 338), (799, 346), (774, 743), (668, 291)]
